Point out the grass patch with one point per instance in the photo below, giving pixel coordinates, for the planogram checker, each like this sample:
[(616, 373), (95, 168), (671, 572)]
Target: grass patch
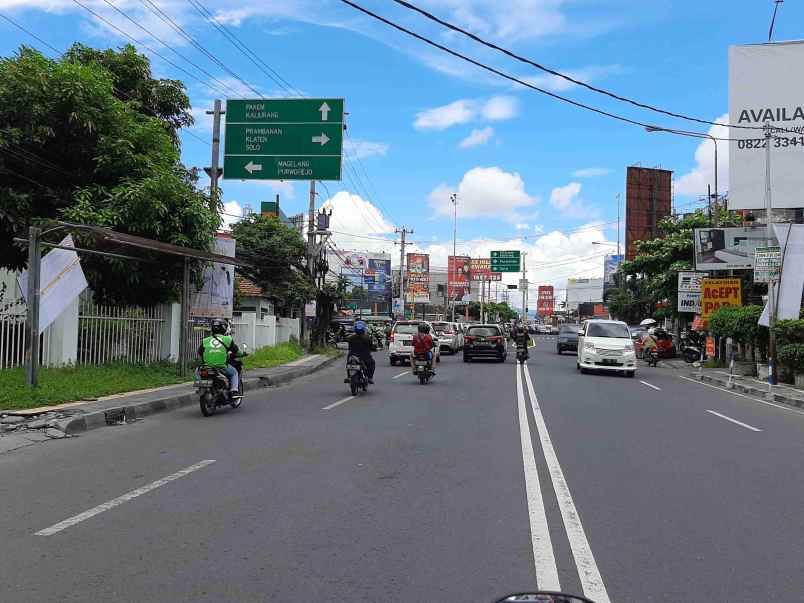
[(75, 383), (326, 350), (273, 355)]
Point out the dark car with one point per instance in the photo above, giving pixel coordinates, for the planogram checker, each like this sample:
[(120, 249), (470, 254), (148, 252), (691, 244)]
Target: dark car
[(567, 338), (484, 341)]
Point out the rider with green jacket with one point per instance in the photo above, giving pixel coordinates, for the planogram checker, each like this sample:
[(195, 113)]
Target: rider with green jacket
[(218, 351)]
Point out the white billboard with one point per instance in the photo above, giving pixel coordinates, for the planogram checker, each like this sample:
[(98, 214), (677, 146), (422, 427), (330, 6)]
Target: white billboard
[(765, 86), (216, 296), (727, 248)]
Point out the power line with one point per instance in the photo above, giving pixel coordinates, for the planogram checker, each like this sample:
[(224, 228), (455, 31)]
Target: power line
[(561, 75), (181, 31), (30, 33), (243, 48)]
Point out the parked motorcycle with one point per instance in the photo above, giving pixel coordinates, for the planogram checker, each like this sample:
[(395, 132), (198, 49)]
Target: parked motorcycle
[(692, 346), (356, 375), (213, 386), (422, 368)]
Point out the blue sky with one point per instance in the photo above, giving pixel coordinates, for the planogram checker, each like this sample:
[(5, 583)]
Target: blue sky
[(530, 171)]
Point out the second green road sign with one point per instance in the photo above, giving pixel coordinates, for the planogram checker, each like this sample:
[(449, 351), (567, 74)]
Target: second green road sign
[(283, 139)]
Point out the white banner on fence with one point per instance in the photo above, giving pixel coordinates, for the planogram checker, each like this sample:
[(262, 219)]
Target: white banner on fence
[(216, 297), (61, 280)]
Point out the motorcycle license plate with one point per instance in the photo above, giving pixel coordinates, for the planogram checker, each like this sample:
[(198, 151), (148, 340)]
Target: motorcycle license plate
[(203, 383), (421, 364)]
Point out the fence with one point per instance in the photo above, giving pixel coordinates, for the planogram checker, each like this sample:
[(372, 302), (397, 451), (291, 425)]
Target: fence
[(129, 334), (12, 327)]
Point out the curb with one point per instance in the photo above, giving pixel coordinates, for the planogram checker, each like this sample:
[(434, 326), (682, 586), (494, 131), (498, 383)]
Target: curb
[(750, 390), (131, 412)]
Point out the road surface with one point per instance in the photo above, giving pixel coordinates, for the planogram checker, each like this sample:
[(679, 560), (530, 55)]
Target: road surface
[(492, 479)]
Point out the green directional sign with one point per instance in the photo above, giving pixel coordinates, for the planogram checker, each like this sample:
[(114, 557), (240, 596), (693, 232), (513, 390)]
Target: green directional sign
[(505, 261), (283, 139)]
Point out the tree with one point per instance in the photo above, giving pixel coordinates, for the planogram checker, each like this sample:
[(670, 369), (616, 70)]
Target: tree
[(92, 137), (276, 253)]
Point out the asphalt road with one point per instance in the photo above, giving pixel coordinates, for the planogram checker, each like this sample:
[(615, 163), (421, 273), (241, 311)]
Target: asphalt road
[(420, 493)]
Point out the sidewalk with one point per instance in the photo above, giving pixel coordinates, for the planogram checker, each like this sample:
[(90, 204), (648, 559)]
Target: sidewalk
[(782, 393), (25, 427)]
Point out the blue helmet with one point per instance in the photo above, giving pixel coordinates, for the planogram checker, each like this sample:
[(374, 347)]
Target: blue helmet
[(360, 327)]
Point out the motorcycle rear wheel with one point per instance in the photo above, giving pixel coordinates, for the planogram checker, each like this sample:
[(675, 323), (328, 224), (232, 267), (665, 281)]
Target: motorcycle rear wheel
[(354, 386), (422, 378), (207, 403)]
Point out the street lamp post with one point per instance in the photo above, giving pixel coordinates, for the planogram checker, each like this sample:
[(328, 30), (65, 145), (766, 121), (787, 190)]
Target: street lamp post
[(454, 200), (689, 134)]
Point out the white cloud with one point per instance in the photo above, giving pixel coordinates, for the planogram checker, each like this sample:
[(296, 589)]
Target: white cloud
[(496, 108), (499, 108), (358, 224), (362, 149), (522, 226), (566, 199), (694, 183), (587, 75), (477, 138), (232, 211), (591, 172), (484, 192)]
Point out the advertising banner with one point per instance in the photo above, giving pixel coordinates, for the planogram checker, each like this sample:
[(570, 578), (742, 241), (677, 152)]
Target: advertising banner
[(761, 90), (481, 270), (611, 263), (689, 301), (545, 301), (216, 296), (459, 269), (727, 248), (418, 278), (378, 280), (767, 264), (689, 291), (718, 292)]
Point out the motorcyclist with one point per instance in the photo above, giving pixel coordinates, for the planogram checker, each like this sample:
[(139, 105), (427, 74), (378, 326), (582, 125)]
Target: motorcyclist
[(360, 346), (649, 342), (423, 342), (521, 337), (219, 351)]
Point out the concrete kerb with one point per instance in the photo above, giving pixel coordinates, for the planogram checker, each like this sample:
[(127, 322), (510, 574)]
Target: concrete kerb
[(751, 390), (137, 410)]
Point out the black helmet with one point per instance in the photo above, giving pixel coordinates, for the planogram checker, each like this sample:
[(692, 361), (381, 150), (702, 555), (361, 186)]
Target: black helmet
[(424, 328), (219, 327)]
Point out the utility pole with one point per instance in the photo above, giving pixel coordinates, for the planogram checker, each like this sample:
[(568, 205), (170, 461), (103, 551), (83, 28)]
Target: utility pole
[(454, 199), (403, 231), (618, 224), (32, 302), (771, 293), (215, 171)]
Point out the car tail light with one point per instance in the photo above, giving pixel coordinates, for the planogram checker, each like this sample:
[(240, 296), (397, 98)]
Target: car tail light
[(469, 338), (496, 339), (391, 337)]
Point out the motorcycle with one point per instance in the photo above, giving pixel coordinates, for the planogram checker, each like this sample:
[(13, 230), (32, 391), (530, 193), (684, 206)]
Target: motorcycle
[(356, 375), (422, 368), (377, 340), (692, 347), (652, 357), (212, 385)]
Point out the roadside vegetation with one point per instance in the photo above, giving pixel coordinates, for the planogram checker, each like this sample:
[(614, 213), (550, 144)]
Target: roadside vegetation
[(274, 355)]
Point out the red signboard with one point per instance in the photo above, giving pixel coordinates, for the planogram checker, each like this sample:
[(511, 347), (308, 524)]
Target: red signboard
[(481, 270), (545, 301), (459, 269)]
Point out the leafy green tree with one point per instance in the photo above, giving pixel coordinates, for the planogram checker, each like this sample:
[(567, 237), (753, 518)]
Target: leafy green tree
[(276, 252), (92, 137)]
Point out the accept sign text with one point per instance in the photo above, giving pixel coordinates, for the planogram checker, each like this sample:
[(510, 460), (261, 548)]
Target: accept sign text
[(717, 292)]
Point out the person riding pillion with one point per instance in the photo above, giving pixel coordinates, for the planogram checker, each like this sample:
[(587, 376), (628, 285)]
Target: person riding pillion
[(218, 351), (360, 346), (423, 342)]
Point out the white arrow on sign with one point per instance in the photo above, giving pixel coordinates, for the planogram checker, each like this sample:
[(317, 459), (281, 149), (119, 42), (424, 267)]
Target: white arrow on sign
[(325, 109), (323, 139), (252, 167)]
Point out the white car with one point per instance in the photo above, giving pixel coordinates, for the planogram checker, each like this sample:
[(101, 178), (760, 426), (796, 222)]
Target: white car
[(400, 346), (606, 345), (450, 337)]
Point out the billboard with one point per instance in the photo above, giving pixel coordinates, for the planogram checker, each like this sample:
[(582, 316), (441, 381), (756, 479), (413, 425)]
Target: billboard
[(763, 89), (648, 199), (481, 270), (216, 296), (418, 278), (545, 300), (727, 248), (458, 268), (370, 272), (581, 290), (718, 292), (378, 280)]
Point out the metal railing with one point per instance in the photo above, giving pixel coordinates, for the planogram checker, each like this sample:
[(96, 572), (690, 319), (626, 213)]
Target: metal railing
[(124, 334), (13, 335)]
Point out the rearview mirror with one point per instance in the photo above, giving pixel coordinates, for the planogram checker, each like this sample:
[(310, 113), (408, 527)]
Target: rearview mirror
[(580, 332), (244, 346)]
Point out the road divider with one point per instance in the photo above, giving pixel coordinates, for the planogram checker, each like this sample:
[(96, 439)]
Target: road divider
[(735, 421), (543, 556), (588, 572), (116, 502)]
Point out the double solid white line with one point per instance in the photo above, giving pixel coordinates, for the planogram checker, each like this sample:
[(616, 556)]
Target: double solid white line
[(544, 557)]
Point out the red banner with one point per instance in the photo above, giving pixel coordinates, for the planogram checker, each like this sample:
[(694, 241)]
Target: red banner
[(418, 278), (481, 270), (458, 268), (545, 301)]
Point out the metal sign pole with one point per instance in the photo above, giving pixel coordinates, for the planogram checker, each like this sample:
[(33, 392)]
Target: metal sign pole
[(184, 343), (32, 302)]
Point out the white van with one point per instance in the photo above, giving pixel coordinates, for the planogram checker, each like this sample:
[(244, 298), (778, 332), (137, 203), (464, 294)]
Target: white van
[(606, 345)]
